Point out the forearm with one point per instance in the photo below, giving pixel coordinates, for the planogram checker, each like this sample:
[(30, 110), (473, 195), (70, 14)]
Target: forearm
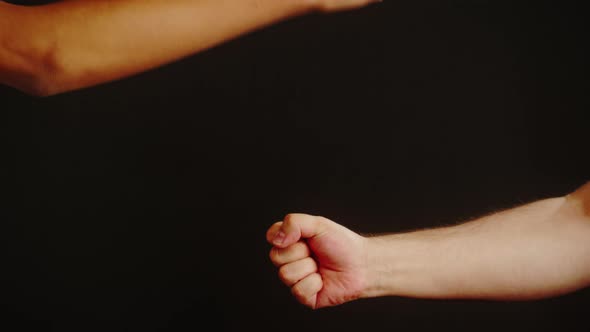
[(82, 43), (534, 251)]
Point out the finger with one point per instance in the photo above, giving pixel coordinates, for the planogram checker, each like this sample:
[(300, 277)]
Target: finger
[(293, 272), (272, 231), (306, 290), (280, 256), (296, 226)]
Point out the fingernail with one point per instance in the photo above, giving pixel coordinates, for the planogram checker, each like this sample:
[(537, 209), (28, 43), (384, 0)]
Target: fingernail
[(279, 238)]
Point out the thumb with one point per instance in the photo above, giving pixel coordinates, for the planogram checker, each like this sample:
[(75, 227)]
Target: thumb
[(296, 226)]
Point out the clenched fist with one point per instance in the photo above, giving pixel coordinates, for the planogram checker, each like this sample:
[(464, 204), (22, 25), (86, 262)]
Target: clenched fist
[(322, 262), (533, 251)]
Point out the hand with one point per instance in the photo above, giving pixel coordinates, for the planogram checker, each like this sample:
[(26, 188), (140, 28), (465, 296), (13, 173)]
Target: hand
[(322, 262), (339, 5)]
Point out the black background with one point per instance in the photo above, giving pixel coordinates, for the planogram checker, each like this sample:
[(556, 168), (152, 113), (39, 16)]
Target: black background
[(142, 204)]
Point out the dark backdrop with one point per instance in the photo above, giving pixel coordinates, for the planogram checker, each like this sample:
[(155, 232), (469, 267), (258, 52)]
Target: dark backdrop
[(142, 204)]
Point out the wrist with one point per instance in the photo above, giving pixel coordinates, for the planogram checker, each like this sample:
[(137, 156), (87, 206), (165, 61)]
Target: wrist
[(401, 265), (379, 271)]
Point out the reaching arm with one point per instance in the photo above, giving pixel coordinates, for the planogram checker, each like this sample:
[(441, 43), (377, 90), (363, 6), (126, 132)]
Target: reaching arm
[(74, 44), (534, 251)]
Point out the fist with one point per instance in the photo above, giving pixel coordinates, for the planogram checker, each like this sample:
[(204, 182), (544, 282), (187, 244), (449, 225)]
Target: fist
[(322, 262)]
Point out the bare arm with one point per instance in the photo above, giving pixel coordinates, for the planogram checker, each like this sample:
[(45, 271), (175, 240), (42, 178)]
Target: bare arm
[(74, 44), (534, 251)]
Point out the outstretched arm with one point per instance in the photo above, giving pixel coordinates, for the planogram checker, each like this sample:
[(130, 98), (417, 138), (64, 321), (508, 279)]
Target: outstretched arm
[(534, 251), (74, 44)]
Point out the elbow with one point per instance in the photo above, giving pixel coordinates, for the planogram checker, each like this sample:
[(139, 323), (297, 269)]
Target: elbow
[(31, 79), (42, 89), (61, 70), (36, 82), (43, 72), (39, 86), (36, 59), (49, 76)]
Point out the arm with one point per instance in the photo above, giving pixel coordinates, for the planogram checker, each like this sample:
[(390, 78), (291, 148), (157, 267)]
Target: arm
[(534, 251), (74, 44)]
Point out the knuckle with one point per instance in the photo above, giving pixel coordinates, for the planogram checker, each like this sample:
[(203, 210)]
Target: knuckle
[(307, 264), (308, 302), (304, 249), (298, 292), (274, 254), (298, 251), (284, 273), (313, 266), (289, 218)]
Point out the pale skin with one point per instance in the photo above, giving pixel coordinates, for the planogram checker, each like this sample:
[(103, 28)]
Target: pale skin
[(74, 44), (534, 251)]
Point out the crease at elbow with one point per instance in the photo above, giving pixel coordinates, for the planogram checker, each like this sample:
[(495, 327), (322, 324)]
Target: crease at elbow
[(38, 70), (36, 84), (50, 75)]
